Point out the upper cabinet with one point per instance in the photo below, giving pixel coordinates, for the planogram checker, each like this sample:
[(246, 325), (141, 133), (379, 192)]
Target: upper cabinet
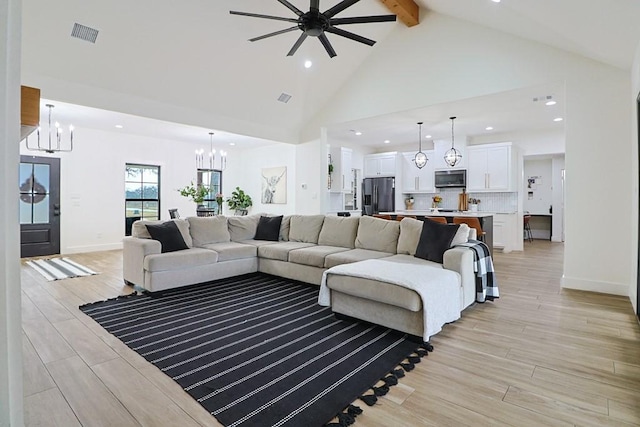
[(379, 165), (491, 167), (416, 180), (342, 176)]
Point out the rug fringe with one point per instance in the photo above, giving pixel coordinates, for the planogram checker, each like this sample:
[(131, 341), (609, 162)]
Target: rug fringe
[(131, 295), (348, 417)]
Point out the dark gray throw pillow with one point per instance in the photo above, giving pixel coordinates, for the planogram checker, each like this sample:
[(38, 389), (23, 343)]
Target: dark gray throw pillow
[(169, 236), (435, 239), (269, 228)]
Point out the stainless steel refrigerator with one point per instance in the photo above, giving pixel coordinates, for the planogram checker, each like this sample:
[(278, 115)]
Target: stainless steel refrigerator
[(378, 195)]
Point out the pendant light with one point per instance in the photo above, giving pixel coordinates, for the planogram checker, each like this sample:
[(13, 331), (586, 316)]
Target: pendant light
[(452, 156), (55, 141), (420, 159)]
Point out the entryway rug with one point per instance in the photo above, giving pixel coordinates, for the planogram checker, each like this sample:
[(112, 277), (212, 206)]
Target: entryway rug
[(257, 350), (59, 268)]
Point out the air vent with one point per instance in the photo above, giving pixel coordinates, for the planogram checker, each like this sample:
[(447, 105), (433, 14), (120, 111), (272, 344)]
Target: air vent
[(84, 33), (284, 97), (542, 98)]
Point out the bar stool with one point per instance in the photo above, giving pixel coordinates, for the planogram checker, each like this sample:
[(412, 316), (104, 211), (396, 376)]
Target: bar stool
[(439, 219), (382, 216), (400, 217), (527, 227), (472, 222)]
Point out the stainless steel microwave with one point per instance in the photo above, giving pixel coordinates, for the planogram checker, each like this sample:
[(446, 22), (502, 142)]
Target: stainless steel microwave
[(451, 178)]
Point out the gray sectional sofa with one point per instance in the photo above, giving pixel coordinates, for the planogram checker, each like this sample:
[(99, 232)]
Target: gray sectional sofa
[(308, 245)]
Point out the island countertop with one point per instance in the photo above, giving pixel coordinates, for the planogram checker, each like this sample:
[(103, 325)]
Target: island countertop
[(440, 213)]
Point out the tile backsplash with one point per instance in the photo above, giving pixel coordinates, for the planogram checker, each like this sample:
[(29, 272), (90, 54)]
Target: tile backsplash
[(489, 202)]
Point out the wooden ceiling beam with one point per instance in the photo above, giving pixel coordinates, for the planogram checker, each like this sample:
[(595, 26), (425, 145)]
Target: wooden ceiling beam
[(406, 10)]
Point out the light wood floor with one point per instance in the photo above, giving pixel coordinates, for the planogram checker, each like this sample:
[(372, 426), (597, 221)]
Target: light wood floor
[(539, 356)]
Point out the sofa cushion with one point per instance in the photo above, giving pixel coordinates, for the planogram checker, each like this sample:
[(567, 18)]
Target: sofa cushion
[(377, 234), (168, 235), (232, 250), (435, 238), (243, 227), (207, 230), (410, 230), (181, 260), (314, 255), (305, 228), (257, 243), (373, 290), (268, 228), (353, 255), (280, 250), (339, 231), (139, 229), (410, 259), (285, 227)]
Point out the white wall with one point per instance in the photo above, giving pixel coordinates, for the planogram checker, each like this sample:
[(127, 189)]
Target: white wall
[(557, 198), (11, 410), (311, 177), (541, 190), (634, 199), (530, 143), (445, 59)]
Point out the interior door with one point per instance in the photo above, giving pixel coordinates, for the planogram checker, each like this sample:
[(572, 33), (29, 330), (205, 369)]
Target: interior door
[(39, 206)]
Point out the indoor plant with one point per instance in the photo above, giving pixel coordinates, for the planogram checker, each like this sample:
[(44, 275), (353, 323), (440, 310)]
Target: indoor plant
[(239, 201), (197, 193)]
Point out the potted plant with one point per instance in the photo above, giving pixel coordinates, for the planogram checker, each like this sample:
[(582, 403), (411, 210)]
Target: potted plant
[(239, 201), (197, 193)]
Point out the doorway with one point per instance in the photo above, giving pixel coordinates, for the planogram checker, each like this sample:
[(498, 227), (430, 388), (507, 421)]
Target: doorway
[(39, 206)]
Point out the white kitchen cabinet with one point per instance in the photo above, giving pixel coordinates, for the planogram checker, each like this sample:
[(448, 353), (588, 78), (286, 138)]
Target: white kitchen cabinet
[(379, 165), (342, 176), (416, 180), (491, 167), (504, 231)]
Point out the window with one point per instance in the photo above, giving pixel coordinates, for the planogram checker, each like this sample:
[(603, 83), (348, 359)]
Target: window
[(212, 178), (142, 194)]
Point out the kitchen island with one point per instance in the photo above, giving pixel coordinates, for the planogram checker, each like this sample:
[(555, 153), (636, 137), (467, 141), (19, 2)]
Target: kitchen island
[(486, 219)]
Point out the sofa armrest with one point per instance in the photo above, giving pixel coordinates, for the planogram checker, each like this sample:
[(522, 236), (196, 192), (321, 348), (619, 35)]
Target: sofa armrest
[(461, 261), (134, 250)]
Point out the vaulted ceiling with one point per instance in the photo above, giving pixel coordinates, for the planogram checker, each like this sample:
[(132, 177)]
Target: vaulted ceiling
[(190, 62)]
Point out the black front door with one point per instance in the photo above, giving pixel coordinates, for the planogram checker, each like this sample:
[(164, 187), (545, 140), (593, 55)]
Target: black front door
[(39, 206)]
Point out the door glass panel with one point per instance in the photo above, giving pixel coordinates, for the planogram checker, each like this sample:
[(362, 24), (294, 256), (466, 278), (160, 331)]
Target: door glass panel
[(25, 212), (25, 177), (41, 179), (41, 209)]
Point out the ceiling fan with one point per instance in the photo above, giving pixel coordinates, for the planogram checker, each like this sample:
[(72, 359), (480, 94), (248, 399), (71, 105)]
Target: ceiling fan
[(315, 24)]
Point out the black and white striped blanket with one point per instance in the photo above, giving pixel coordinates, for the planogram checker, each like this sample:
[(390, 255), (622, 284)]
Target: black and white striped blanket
[(486, 284)]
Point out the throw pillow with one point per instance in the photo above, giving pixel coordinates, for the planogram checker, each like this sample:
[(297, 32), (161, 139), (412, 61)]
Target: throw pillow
[(168, 235), (268, 228), (435, 239)]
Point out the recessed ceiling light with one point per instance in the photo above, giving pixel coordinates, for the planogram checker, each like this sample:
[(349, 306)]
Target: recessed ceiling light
[(558, 119), (358, 133), (549, 103), (232, 143), (386, 141), (119, 126), (489, 128), (428, 137), (308, 64), (496, 1)]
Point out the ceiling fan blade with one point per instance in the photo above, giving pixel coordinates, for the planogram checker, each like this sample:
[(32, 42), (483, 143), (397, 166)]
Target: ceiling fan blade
[(362, 19), (315, 4), (297, 44), (339, 8), (325, 42), (350, 35), (256, 15), (275, 33), (292, 7)]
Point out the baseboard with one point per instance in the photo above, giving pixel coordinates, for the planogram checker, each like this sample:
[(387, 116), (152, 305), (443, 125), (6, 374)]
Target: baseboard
[(91, 248), (594, 286)]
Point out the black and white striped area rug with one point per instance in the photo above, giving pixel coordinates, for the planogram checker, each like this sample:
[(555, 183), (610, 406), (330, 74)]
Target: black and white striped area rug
[(59, 268), (257, 350)]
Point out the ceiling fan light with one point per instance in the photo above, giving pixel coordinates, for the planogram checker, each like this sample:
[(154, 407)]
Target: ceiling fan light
[(420, 159)]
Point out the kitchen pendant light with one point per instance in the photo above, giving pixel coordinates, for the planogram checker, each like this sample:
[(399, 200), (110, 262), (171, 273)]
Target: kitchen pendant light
[(420, 159), (452, 156)]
